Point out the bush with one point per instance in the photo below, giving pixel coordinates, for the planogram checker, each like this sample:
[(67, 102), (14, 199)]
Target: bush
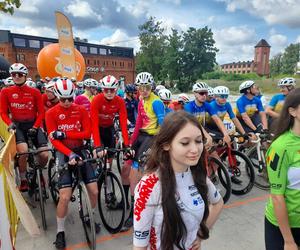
[(213, 75)]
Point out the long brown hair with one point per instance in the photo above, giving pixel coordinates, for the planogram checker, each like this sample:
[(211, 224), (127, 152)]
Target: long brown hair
[(173, 229), (286, 120)]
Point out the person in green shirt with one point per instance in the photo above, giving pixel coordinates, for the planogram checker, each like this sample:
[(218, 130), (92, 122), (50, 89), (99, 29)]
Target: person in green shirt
[(282, 222)]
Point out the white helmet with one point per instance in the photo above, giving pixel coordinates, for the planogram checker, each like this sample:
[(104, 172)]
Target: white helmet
[(109, 82), (18, 68), (159, 87), (79, 84), (47, 78), (287, 81), (94, 83), (73, 79), (183, 98), (165, 95), (90, 82), (31, 84), (64, 88), (221, 90), (246, 85), (144, 78), (210, 92), (50, 86), (200, 86), (9, 82)]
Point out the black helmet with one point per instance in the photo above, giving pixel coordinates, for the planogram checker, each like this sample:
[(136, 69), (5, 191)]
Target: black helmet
[(130, 88)]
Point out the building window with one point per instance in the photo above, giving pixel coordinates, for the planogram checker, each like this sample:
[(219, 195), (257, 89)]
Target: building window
[(98, 62), (45, 43), (83, 49), (248, 71), (102, 51), (20, 57), (34, 44), (20, 42), (93, 50)]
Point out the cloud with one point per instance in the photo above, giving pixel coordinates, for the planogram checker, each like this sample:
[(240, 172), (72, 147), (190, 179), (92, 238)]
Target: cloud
[(284, 12), (298, 39), (278, 43), (81, 9)]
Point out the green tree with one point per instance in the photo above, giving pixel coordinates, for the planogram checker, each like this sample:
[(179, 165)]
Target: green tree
[(290, 58), (153, 45), (8, 6), (276, 65), (199, 52)]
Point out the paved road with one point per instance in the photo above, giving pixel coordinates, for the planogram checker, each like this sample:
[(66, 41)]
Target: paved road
[(240, 226)]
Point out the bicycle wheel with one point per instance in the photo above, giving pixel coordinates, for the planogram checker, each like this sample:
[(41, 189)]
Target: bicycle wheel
[(260, 170), (53, 181), (220, 177), (119, 157), (111, 194), (42, 198), (242, 175), (86, 215)]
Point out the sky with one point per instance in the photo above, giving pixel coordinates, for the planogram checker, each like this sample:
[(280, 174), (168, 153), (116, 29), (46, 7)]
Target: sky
[(237, 25)]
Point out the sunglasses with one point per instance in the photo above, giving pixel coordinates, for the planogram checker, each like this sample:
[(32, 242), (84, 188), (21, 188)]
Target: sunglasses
[(17, 74), (223, 96), (145, 87), (107, 90), (202, 93), (70, 99)]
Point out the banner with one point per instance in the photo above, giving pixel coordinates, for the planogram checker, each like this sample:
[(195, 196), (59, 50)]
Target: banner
[(66, 45)]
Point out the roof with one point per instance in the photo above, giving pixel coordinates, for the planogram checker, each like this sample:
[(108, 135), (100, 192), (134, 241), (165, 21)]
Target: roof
[(262, 43)]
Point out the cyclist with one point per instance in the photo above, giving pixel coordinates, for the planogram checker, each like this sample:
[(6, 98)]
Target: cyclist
[(31, 84), (68, 125), (180, 102), (210, 94), (201, 109), (89, 91), (49, 98), (282, 221), (166, 96), (260, 96), (8, 82), (250, 111), (23, 111), (131, 103), (158, 88), (79, 89)]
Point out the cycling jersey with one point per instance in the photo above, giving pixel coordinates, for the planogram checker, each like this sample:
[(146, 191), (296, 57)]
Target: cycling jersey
[(221, 111), (151, 113), (283, 165), (74, 121), (103, 112), (84, 101), (263, 99), (175, 105), (168, 110), (200, 112), (277, 102), (132, 109), (245, 105), (47, 103), (148, 213), (22, 104)]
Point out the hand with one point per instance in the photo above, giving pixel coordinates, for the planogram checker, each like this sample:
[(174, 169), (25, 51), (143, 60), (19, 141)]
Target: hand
[(290, 246), (73, 158), (196, 244), (129, 153), (227, 140), (252, 136), (99, 152), (32, 132), (58, 135), (12, 128)]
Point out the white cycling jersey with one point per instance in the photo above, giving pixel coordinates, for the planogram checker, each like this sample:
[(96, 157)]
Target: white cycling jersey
[(148, 213)]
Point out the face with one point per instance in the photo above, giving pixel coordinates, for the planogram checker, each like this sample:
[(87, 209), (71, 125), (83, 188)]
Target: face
[(254, 89), (222, 99), (295, 112), (66, 102), (286, 89), (186, 147), (109, 94), (201, 96), (94, 90), (18, 78), (50, 94), (145, 90)]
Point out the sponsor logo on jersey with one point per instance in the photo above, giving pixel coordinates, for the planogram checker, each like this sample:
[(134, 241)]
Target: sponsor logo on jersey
[(78, 125), (66, 127), (18, 105), (145, 189), (29, 105), (15, 96), (141, 235), (62, 117)]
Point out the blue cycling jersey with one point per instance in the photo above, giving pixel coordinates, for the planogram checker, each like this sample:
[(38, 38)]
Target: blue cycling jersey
[(200, 112), (277, 102), (221, 111), (168, 110), (132, 109), (245, 105)]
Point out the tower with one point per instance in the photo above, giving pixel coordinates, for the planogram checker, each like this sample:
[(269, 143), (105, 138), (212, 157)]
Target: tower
[(261, 58)]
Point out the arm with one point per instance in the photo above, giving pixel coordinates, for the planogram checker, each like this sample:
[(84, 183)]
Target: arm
[(159, 110), (123, 121), (238, 125), (4, 108), (86, 124), (95, 122), (248, 121), (263, 118), (270, 112), (214, 212)]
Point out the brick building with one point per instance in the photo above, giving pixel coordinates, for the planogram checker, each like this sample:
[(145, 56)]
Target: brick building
[(260, 64), (100, 60)]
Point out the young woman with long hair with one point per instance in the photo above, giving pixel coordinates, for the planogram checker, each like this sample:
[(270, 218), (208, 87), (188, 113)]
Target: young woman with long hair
[(282, 222), (175, 202)]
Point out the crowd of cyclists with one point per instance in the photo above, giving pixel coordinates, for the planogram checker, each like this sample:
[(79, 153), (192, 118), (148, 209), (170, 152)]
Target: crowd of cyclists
[(70, 114)]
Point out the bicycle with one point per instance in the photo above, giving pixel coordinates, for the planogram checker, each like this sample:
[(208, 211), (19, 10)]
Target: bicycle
[(34, 176)]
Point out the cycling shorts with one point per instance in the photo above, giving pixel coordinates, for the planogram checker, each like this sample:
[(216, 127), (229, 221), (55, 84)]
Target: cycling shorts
[(108, 140)]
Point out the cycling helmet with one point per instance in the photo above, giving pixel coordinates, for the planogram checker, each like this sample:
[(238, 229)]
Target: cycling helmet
[(159, 87), (165, 95), (18, 68), (64, 88), (130, 88), (50, 86), (79, 84), (94, 83), (31, 84), (47, 78), (73, 79), (200, 86), (210, 92), (109, 82), (246, 85), (287, 81), (183, 98), (9, 82), (221, 90), (144, 78)]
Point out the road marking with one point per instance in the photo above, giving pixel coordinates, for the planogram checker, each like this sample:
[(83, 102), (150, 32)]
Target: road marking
[(105, 238)]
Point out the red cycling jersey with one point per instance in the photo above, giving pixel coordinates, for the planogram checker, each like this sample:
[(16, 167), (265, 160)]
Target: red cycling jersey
[(74, 121), (47, 103), (103, 113), (23, 104)]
